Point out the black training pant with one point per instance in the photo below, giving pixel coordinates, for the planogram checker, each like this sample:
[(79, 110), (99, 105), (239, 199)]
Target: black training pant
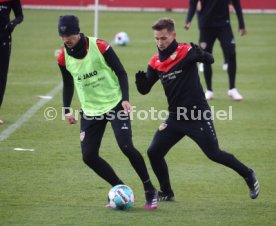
[(5, 52), (202, 132), (225, 36), (92, 131)]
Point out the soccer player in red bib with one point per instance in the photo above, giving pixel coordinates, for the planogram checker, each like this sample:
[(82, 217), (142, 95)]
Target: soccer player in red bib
[(102, 87)]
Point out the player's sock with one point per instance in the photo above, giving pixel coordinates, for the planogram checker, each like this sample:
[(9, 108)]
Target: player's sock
[(148, 186)]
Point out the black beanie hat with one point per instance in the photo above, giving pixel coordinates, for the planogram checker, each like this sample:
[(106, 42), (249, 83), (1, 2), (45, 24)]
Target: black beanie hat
[(68, 25)]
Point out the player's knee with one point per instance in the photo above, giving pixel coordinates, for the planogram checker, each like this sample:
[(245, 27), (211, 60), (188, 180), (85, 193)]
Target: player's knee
[(232, 56), (207, 68), (220, 156), (127, 148), (231, 53), (89, 159), (214, 157), (152, 152), (86, 160), (225, 156)]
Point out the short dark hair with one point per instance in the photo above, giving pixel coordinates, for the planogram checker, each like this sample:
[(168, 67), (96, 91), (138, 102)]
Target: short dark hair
[(164, 23)]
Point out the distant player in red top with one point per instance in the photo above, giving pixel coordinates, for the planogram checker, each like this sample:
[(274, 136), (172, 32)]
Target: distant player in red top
[(6, 28)]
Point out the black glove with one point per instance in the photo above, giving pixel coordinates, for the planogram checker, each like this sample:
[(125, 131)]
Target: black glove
[(141, 82), (10, 26), (198, 50), (140, 76)]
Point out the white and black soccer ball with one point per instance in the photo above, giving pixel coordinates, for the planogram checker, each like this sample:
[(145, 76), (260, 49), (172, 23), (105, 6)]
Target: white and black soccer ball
[(121, 197), (121, 39)]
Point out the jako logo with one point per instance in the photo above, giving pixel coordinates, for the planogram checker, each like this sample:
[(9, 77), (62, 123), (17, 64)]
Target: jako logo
[(88, 75)]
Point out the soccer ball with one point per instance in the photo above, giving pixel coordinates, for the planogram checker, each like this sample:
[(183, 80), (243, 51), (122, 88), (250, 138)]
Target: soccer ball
[(121, 39), (121, 197)]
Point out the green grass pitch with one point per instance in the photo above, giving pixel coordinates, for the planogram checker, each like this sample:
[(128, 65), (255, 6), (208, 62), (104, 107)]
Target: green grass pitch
[(52, 186)]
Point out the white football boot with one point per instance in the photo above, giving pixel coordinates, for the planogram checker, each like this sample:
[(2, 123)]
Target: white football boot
[(201, 67), (225, 67), (209, 95), (234, 94)]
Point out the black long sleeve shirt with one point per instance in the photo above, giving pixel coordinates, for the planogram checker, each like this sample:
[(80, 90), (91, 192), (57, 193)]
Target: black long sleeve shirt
[(176, 68), (214, 13), (6, 6)]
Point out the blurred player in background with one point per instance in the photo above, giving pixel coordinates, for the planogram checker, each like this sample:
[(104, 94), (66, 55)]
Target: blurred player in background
[(102, 86), (6, 28), (225, 64), (175, 66), (214, 23)]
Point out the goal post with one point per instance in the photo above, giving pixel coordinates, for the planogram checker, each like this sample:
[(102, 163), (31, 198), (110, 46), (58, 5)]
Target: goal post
[(96, 18)]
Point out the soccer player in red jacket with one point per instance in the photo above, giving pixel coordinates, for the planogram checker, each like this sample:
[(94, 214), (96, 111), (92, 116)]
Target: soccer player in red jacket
[(175, 66)]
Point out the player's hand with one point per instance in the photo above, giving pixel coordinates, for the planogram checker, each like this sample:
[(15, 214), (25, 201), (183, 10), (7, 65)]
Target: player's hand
[(10, 27), (199, 51), (187, 26), (198, 6), (231, 9), (142, 82), (242, 31), (126, 106), (70, 118), (140, 75)]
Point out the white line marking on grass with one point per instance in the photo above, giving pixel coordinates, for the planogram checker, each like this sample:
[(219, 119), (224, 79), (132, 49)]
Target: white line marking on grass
[(23, 149), (28, 114), (45, 97)]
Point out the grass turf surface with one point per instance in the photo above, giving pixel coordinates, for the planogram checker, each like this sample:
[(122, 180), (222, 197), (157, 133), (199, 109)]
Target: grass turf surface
[(51, 186)]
